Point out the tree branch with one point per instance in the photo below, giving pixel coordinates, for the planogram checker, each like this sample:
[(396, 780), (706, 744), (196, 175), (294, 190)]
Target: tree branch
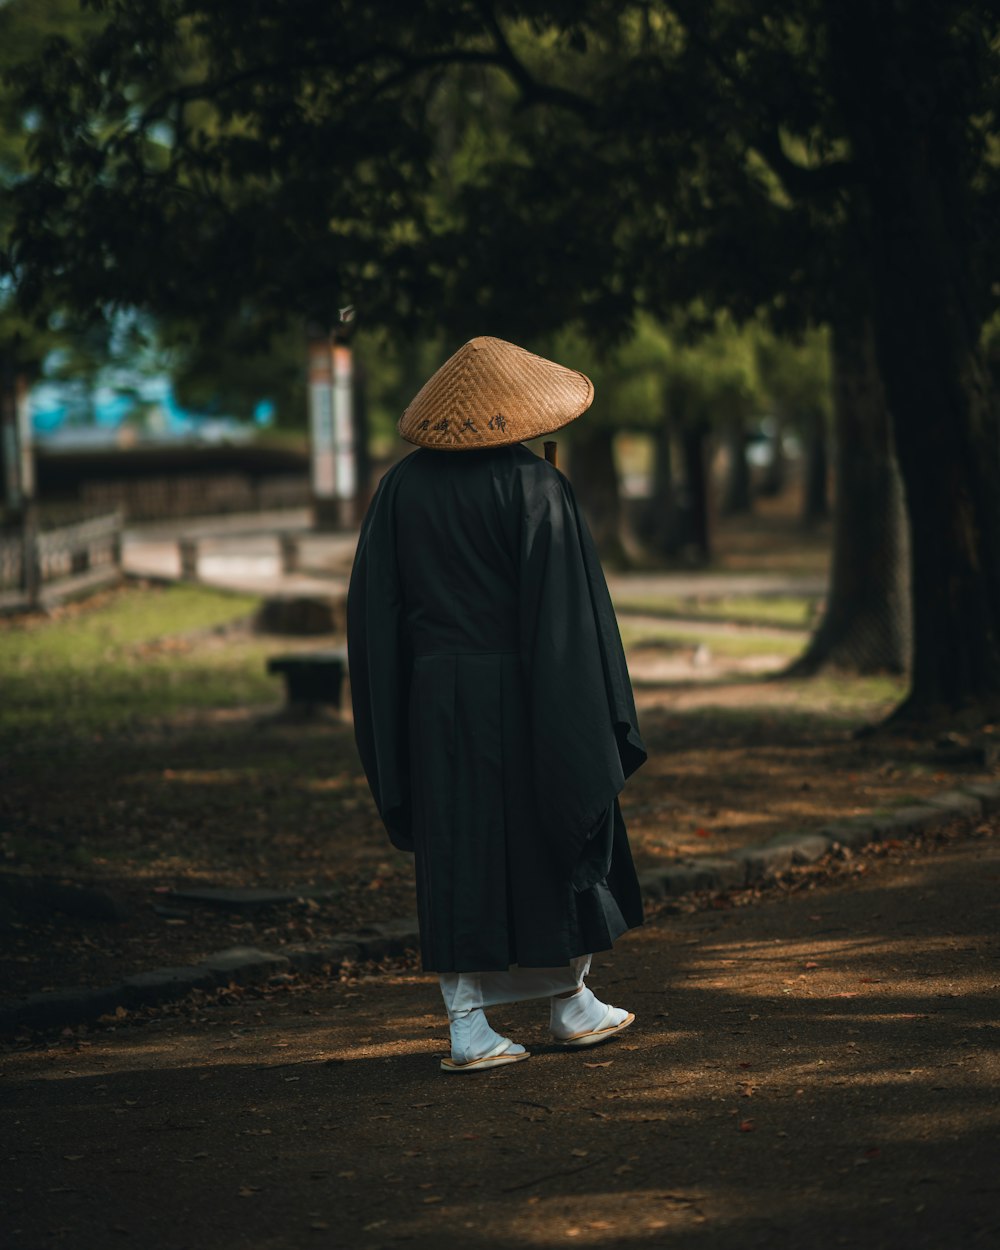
[(803, 181), (799, 181), (532, 91)]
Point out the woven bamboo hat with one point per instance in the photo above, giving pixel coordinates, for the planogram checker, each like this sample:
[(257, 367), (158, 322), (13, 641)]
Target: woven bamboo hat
[(491, 393)]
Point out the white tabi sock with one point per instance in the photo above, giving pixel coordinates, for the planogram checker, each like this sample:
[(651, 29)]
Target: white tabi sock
[(472, 1038), (582, 1012)]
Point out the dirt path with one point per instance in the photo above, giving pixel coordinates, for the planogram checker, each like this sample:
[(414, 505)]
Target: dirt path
[(816, 1069)]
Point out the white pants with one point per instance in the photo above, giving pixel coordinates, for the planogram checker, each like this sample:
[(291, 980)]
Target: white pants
[(468, 991)]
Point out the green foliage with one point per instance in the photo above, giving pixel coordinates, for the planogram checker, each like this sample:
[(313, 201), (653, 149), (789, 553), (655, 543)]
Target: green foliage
[(712, 374), (25, 26), (713, 380), (227, 369), (394, 367), (794, 373)]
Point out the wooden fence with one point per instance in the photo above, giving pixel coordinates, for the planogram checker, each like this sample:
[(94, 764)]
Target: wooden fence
[(55, 558), (179, 495)]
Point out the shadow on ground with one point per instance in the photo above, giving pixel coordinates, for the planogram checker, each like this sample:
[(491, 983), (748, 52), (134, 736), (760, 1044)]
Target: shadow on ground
[(819, 1069)]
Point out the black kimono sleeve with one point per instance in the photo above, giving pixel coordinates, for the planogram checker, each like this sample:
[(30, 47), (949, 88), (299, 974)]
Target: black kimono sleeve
[(584, 729), (379, 664)]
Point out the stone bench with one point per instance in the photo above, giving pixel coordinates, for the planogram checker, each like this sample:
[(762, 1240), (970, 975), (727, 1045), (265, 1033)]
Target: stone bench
[(313, 679)]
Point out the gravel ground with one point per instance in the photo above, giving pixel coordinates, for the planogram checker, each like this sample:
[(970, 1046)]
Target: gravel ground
[(816, 1068)]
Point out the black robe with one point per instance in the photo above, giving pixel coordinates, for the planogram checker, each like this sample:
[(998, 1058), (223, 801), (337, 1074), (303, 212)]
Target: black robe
[(493, 710)]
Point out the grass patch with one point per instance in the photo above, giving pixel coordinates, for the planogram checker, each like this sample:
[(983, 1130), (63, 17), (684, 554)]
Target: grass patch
[(737, 645), (793, 612), (858, 696), (120, 618), (127, 658)]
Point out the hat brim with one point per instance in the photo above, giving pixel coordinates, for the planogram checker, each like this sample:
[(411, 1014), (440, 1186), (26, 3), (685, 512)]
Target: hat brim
[(491, 393)]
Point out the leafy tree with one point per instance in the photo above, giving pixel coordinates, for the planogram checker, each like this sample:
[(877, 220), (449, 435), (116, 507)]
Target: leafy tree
[(823, 161), (795, 376), (24, 341)]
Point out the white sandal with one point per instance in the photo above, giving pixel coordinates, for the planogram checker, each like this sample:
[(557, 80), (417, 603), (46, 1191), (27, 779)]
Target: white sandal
[(470, 1032), (607, 1028), (588, 1019)]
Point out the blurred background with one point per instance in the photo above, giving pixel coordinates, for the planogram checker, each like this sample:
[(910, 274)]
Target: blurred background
[(236, 238)]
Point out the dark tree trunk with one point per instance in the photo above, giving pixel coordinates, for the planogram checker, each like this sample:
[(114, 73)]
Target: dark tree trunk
[(772, 481), (910, 137), (948, 436), (736, 496), (815, 493), (664, 531), (865, 628), (698, 525), (9, 455), (15, 463), (595, 480)]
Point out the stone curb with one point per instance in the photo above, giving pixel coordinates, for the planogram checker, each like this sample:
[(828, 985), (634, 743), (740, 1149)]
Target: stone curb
[(239, 965), (754, 864), (246, 965)]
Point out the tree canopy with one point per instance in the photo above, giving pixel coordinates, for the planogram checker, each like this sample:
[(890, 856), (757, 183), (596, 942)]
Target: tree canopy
[(443, 163)]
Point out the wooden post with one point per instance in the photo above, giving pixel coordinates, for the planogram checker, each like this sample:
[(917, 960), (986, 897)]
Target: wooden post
[(117, 539), (31, 569), (17, 471), (291, 554), (188, 549)]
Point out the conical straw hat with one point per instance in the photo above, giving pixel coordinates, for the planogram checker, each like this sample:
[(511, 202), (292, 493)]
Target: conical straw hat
[(491, 393)]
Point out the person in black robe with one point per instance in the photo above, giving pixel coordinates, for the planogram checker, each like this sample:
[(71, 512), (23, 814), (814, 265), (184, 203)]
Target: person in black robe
[(492, 706)]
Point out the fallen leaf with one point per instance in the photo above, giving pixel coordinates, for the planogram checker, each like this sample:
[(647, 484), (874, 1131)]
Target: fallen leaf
[(703, 833), (433, 1198), (746, 1126), (580, 1154), (811, 964), (606, 1063)]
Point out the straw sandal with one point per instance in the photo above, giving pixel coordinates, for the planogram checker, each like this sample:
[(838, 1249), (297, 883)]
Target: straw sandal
[(485, 1061)]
